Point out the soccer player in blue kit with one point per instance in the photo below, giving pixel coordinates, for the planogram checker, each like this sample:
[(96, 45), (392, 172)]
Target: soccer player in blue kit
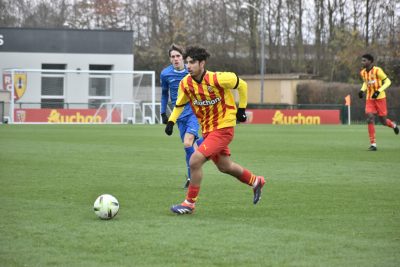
[(187, 122)]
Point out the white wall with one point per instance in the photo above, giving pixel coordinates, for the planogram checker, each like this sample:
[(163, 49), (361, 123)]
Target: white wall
[(76, 87)]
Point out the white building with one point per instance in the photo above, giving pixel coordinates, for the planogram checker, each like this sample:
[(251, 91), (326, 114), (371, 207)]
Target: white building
[(67, 49), (78, 51)]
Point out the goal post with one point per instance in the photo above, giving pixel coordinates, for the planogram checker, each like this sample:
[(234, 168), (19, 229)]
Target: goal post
[(81, 96), (127, 112)]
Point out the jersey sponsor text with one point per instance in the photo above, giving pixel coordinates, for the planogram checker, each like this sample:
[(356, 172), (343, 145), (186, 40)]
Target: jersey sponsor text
[(207, 102)]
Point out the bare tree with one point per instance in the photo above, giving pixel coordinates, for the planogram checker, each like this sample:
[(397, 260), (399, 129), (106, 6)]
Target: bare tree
[(355, 14), (252, 25), (367, 18), (7, 13), (299, 37), (278, 36), (321, 37), (319, 26)]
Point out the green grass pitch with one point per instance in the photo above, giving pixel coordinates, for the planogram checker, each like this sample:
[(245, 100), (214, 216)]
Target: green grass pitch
[(328, 201)]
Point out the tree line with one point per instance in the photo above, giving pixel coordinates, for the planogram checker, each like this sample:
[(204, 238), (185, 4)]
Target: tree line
[(324, 38)]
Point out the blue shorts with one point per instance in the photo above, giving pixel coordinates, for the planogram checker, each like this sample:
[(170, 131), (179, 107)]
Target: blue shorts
[(188, 124)]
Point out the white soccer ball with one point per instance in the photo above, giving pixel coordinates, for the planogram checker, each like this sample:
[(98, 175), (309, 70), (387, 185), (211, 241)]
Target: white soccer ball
[(106, 207)]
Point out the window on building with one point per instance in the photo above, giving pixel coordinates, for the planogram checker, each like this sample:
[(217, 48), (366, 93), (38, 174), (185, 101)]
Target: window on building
[(99, 85), (52, 86), (52, 103)]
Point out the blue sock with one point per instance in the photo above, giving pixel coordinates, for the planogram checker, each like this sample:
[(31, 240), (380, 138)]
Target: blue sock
[(189, 151), (199, 141)]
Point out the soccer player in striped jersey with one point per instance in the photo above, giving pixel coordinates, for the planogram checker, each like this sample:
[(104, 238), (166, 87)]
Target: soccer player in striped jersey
[(374, 86), (210, 96), (187, 121)]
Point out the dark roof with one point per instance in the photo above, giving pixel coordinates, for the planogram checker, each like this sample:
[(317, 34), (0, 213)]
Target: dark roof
[(66, 41)]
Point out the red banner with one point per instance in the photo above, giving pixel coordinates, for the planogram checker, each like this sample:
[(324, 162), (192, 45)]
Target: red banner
[(64, 115), (292, 116)]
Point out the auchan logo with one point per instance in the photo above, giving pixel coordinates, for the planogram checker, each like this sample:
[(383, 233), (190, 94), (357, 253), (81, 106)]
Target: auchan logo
[(281, 118), (56, 117), (206, 102)]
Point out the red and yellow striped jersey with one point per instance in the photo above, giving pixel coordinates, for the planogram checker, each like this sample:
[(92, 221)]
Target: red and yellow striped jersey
[(211, 99), (374, 79)]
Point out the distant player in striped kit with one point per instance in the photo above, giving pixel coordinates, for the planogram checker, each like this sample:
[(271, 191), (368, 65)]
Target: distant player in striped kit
[(210, 96), (374, 86), (187, 122)]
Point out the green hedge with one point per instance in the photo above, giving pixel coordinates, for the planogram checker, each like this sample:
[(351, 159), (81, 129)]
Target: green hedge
[(334, 93)]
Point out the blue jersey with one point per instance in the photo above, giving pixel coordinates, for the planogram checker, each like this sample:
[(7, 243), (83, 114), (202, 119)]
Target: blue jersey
[(170, 79)]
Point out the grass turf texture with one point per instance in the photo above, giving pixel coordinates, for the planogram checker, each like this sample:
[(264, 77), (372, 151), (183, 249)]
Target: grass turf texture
[(328, 202)]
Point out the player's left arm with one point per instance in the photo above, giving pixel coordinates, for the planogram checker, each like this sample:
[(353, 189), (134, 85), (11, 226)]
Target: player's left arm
[(231, 80), (242, 89), (386, 82)]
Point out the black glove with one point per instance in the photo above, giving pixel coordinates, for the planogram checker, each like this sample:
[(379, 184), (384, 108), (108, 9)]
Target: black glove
[(169, 128), (375, 95), (360, 94), (164, 118), (241, 115)]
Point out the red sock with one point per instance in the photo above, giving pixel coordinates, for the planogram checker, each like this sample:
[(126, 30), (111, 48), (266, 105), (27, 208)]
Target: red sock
[(371, 133), (247, 177), (192, 193), (389, 123)]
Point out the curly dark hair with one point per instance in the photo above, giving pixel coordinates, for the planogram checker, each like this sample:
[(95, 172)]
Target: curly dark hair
[(196, 53), (368, 57)]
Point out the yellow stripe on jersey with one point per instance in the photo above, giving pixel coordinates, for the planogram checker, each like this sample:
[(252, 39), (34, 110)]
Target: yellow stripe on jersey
[(211, 100), (374, 80)]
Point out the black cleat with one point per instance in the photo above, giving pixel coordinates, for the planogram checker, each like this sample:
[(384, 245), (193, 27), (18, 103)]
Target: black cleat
[(396, 129), (257, 189), (183, 208), (372, 148)]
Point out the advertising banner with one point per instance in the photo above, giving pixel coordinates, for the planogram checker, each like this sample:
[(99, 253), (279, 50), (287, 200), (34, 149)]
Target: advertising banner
[(292, 116), (27, 115)]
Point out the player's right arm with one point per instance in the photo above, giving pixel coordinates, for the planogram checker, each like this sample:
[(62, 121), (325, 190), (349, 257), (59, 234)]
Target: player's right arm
[(180, 104), (164, 97), (363, 87)]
